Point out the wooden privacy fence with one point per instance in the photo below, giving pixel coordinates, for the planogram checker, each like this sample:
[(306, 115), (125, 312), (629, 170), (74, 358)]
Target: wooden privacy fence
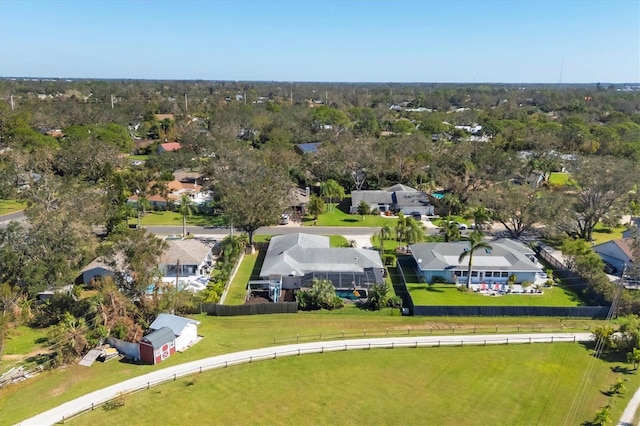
[(257, 309), (512, 311)]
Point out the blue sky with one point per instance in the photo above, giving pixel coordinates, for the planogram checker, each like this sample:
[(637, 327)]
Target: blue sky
[(305, 40)]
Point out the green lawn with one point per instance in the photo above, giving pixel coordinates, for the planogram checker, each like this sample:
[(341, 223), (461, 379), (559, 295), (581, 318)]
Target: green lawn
[(447, 294), (138, 157), (337, 217), (175, 219), (602, 233), (11, 206), (238, 287), (22, 344), (230, 334), (559, 179), (23, 340), (505, 385)]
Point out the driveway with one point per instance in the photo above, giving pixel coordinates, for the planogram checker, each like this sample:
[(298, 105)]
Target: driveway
[(93, 399)]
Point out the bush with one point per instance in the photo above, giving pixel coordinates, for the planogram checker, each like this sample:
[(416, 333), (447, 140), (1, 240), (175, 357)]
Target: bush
[(389, 260), (438, 279), (322, 295)]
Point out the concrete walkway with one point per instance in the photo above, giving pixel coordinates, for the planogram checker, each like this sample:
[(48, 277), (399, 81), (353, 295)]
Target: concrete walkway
[(94, 399), (629, 413)]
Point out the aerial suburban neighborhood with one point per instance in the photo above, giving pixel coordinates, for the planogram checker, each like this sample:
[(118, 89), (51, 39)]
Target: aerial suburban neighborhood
[(245, 211)]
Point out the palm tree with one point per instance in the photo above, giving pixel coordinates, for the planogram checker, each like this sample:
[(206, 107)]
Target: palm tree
[(603, 416), (481, 217), (634, 358), (186, 209), (415, 231), (332, 189), (476, 242), (450, 231), (383, 234), (401, 227)]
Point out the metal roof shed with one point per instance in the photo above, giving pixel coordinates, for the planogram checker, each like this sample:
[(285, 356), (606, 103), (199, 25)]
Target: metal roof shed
[(157, 346)]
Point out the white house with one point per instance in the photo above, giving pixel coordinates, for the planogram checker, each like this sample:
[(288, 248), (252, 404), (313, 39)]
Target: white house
[(185, 330), (187, 263)]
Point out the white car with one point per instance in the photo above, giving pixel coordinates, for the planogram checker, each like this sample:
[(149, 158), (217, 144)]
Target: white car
[(136, 163)]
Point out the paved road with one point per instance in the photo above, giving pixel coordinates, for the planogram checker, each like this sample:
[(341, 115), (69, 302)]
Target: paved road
[(6, 218), (92, 399)]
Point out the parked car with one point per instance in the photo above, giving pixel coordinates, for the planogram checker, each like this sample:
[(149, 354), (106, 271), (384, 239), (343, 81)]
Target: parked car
[(136, 163), (284, 219), (416, 215), (609, 268), (462, 226)]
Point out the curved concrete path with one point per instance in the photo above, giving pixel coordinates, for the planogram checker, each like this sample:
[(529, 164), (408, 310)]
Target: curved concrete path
[(94, 399), (629, 413)]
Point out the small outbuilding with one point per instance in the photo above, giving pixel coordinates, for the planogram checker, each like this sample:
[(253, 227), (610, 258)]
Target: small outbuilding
[(185, 330), (157, 346)]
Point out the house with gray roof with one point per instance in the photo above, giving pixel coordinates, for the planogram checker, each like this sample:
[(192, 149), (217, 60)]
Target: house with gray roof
[(397, 198), (293, 261), (186, 263), (491, 266)]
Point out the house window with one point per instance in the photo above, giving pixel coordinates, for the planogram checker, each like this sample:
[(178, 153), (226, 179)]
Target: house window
[(464, 273), (474, 274), (504, 275)]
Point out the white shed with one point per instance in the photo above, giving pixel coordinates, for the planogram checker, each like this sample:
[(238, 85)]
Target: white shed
[(185, 329)]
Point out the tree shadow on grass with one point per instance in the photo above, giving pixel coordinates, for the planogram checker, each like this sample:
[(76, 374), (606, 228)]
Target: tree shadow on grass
[(350, 220), (434, 289), (623, 370)]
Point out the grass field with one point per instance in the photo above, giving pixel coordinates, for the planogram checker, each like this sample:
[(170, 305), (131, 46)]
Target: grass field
[(447, 294), (337, 217), (230, 334), (11, 206), (175, 219), (505, 385)]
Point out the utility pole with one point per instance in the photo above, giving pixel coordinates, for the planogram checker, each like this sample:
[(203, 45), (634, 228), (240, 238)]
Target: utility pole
[(326, 97), (186, 103), (11, 102), (245, 98), (111, 101), (291, 97)]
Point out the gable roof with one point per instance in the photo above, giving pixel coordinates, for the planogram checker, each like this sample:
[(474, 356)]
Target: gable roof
[(623, 245), (411, 199), (159, 337), (400, 187), (303, 253), (188, 252), (371, 197), (505, 255), (174, 322)]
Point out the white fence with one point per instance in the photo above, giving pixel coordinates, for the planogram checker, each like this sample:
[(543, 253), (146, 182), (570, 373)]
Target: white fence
[(97, 398)]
